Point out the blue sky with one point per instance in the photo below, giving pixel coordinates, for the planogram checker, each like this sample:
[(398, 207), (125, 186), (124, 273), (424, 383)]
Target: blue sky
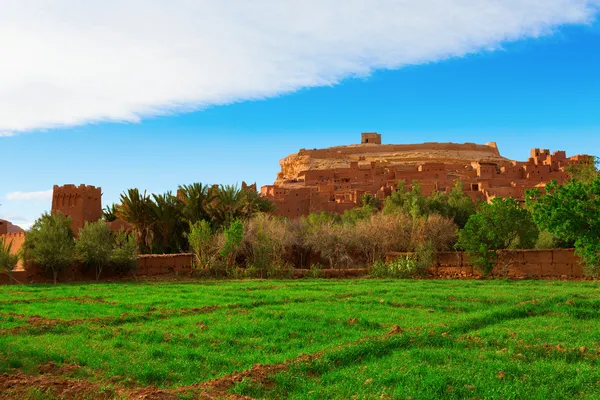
[(532, 91)]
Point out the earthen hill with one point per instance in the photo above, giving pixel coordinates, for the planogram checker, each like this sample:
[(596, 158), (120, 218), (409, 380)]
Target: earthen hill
[(335, 179)]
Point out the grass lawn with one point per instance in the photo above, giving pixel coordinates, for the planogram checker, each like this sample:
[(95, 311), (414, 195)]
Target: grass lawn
[(311, 339)]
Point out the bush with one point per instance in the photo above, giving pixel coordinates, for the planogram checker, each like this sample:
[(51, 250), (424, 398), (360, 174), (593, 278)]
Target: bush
[(406, 266), (332, 241), (267, 242)]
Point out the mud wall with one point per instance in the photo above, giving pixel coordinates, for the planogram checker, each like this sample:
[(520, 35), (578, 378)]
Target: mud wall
[(162, 264), (554, 263), (147, 265)]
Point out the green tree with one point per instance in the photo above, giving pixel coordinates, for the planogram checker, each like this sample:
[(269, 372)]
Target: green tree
[(50, 243), (94, 246), (8, 259), (572, 213), (502, 224)]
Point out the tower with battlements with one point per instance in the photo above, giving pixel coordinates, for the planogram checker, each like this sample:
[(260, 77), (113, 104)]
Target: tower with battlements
[(81, 203)]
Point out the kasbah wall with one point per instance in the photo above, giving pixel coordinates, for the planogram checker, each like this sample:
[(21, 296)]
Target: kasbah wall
[(335, 179)]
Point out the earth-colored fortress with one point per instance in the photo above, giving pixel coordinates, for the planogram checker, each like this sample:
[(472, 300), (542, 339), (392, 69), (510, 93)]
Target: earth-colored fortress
[(336, 178)]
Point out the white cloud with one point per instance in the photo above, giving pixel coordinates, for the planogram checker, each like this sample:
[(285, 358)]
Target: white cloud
[(7, 134), (24, 196), (72, 62)]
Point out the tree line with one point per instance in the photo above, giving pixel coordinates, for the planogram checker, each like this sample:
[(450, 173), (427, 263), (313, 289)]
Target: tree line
[(231, 231)]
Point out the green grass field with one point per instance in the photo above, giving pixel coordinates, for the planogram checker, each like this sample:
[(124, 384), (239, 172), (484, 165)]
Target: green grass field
[(312, 339)]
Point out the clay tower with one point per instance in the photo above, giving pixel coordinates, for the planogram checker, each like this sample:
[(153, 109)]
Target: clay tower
[(370, 137), (82, 203)]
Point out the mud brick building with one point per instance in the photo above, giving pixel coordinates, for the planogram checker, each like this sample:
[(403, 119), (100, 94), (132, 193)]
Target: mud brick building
[(335, 179)]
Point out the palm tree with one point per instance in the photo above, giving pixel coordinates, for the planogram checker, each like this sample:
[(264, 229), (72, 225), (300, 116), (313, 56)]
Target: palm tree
[(196, 200), (233, 203), (168, 224), (136, 208), (226, 206), (109, 213)]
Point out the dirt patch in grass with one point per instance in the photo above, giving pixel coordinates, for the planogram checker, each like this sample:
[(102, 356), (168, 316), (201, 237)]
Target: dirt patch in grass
[(21, 386), (77, 299)]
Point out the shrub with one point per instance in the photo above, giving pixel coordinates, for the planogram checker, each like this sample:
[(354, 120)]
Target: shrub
[(331, 241), (267, 242), (406, 266)]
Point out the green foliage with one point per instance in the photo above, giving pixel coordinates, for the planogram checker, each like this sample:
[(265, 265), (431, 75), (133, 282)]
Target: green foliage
[(8, 260), (548, 240), (455, 205), (123, 256), (234, 235), (136, 208), (109, 213), (94, 246), (585, 172), (406, 201), (196, 200), (354, 215), (368, 200), (572, 213), (168, 225), (50, 243), (407, 265), (202, 242), (503, 224)]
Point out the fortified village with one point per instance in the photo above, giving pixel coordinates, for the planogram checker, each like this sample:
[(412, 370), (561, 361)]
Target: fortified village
[(336, 178)]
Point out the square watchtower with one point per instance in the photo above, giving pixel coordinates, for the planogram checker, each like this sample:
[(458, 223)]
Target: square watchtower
[(370, 138)]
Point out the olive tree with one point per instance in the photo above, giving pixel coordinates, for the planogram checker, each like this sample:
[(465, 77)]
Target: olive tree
[(50, 243)]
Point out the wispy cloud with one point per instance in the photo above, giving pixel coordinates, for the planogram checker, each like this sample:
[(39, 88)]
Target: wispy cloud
[(78, 61), (24, 196), (7, 134)]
